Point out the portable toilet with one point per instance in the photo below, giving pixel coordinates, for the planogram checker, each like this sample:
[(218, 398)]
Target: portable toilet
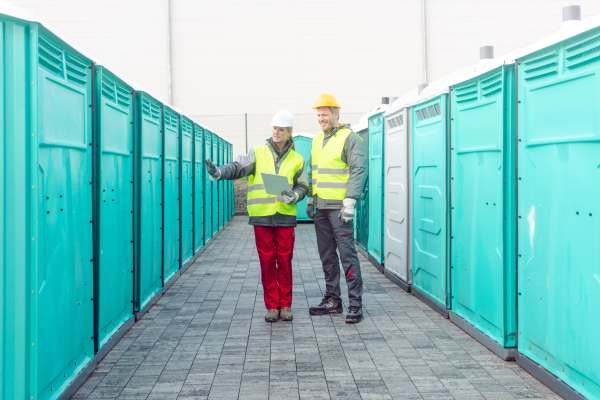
[(361, 217), (148, 200), (186, 183), (376, 186), (208, 187), (303, 145), (199, 188), (429, 175), (396, 193), (558, 83), (482, 203), (171, 241)]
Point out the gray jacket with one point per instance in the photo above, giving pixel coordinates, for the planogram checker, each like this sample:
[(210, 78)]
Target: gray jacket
[(353, 154), (245, 165)]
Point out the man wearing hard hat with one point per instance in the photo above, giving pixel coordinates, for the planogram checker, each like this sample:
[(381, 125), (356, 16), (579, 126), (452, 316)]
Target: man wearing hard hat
[(273, 217), (339, 174)]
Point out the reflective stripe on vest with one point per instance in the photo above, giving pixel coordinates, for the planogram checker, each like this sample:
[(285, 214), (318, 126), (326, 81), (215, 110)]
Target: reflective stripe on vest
[(330, 173), (260, 203)]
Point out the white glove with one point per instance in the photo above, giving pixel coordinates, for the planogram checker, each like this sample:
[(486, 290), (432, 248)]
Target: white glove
[(347, 211), (289, 196)]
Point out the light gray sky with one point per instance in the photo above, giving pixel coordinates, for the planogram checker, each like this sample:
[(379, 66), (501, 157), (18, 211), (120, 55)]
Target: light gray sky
[(257, 56)]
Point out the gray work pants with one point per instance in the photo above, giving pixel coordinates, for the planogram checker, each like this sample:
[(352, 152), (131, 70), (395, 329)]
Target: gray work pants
[(334, 236)]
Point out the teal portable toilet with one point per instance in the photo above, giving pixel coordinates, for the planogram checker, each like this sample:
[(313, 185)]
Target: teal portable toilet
[(113, 205), (216, 205), (171, 241), (208, 187), (303, 145), (221, 184), (230, 183), (429, 172), (559, 210), (148, 210), (361, 220), (198, 188), (46, 218), (483, 211), (185, 187), (396, 193), (376, 187)]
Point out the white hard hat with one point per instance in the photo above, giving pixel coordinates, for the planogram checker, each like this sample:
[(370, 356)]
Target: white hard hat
[(283, 119)]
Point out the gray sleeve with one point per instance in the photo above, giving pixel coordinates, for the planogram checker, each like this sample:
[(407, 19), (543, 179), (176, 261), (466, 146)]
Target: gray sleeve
[(301, 183), (355, 156), (243, 166)]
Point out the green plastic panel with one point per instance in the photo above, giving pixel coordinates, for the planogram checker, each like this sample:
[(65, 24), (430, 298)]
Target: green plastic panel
[(559, 210), (208, 188), (171, 240), (148, 192), (198, 188), (231, 187), (186, 186), (46, 281), (113, 185), (361, 222), (221, 184), (430, 199), (375, 243), (227, 184), (303, 145), (215, 187), (483, 211)]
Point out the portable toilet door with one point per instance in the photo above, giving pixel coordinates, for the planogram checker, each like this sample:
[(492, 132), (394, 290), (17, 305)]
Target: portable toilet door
[(396, 195), (361, 222), (429, 256), (113, 227), (303, 145), (231, 187), (208, 187), (483, 214), (185, 185), (559, 213), (221, 184), (149, 199), (171, 243), (198, 188), (216, 205), (376, 142)]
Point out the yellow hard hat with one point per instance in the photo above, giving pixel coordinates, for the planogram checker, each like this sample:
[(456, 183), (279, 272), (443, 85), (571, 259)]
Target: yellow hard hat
[(326, 100)]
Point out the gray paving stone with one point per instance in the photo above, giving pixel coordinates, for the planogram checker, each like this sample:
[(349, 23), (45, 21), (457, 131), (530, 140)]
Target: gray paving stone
[(206, 339)]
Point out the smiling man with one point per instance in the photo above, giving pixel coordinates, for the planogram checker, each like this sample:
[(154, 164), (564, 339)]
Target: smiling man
[(339, 173)]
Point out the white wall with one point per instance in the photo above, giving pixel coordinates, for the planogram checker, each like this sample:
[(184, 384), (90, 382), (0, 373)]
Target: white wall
[(237, 56)]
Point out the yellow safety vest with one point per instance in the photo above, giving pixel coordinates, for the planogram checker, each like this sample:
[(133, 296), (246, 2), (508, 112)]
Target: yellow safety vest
[(260, 203), (329, 173)]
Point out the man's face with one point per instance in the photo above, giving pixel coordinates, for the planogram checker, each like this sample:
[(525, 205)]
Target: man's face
[(280, 135), (327, 118)]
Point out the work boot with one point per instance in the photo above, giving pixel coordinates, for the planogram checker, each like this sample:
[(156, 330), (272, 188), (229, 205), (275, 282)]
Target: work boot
[(286, 314), (354, 315), (272, 315), (328, 305)]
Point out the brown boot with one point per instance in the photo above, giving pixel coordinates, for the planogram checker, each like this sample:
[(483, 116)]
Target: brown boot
[(286, 314), (272, 315)]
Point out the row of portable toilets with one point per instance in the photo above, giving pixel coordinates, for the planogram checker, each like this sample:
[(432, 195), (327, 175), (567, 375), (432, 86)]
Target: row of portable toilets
[(484, 200), (105, 200)]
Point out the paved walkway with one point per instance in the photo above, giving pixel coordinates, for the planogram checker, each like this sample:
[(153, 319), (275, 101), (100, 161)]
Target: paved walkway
[(207, 339)]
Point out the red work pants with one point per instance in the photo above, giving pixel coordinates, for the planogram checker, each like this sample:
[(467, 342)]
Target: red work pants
[(275, 247)]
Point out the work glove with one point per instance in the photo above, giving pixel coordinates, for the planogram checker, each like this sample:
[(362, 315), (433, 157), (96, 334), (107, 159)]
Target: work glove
[(310, 208), (213, 171), (289, 196), (347, 211)]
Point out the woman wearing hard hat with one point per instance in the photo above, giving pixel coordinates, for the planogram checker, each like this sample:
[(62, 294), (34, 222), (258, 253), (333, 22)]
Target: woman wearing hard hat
[(273, 217)]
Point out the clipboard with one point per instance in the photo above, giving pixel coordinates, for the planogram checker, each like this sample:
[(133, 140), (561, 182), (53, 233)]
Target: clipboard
[(275, 184)]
